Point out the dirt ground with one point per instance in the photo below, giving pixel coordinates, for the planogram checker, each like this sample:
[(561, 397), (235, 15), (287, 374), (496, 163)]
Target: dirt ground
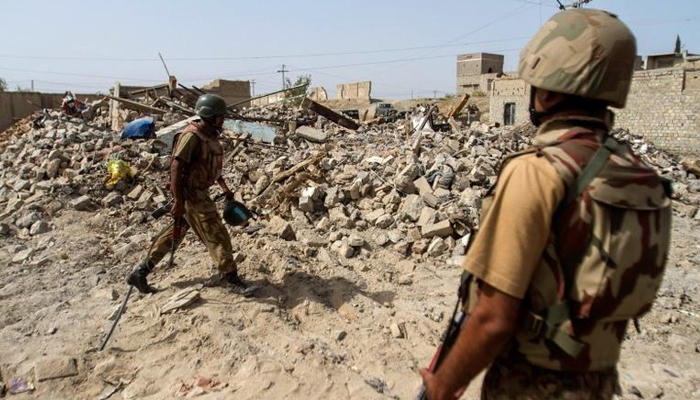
[(319, 328)]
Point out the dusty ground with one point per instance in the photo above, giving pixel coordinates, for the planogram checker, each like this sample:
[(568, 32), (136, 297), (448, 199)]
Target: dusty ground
[(318, 329)]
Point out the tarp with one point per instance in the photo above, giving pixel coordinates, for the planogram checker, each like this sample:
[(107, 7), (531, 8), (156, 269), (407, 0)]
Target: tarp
[(142, 128)]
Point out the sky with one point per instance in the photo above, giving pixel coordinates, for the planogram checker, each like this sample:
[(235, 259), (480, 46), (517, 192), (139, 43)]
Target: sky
[(406, 48)]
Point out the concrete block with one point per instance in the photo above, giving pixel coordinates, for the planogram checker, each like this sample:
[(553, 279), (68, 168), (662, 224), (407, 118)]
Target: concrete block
[(440, 229), (311, 134), (82, 203)]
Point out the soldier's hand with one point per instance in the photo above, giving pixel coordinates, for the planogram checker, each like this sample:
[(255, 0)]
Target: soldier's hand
[(433, 388), (178, 209)]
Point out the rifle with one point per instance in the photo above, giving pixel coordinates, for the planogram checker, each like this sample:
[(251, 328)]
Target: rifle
[(449, 337)]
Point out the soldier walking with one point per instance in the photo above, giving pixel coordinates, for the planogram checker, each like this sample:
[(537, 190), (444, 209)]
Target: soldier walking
[(196, 165)]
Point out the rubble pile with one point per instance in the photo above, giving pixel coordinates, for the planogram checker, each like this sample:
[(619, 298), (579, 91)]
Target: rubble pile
[(386, 185)]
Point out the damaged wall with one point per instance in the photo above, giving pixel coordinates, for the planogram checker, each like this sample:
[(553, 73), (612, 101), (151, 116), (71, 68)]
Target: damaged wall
[(231, 91), (354, 91), (14, 105), (318, 93), (662, 106), (505, 91)]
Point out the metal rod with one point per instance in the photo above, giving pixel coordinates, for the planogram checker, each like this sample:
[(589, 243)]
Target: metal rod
[(116, 319), (165, 66)]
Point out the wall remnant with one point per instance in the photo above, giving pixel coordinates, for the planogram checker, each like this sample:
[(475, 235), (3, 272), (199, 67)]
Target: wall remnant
[(354, 91), (318, 93), (231, 91), (662, 106), (16, 105)]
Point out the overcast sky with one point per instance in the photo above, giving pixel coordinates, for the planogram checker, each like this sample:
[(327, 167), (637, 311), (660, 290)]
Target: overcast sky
[(401, 46)]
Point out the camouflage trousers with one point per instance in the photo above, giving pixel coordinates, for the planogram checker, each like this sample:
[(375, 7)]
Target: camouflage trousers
[(507, 380), (202, 216)]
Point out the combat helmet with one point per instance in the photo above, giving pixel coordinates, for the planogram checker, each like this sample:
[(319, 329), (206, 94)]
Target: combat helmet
[(582, 52), (209, 105)]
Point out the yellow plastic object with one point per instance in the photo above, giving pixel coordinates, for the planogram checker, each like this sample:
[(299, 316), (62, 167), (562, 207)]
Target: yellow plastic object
[(118, 170)]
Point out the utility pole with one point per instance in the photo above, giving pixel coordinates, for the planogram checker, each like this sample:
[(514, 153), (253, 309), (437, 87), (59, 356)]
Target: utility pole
[(411, 94), (284, 83), (32, 85), (252, 87), (435, 94)]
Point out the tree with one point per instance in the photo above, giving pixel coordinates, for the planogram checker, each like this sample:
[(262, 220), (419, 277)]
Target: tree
[(301, 80), (677, 50), (3, 85)]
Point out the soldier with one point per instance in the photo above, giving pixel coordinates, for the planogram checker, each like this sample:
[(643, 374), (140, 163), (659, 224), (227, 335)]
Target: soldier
[(195, 165), (573, 237)]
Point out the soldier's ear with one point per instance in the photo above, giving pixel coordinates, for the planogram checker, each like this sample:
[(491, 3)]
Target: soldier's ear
[(546, 99)]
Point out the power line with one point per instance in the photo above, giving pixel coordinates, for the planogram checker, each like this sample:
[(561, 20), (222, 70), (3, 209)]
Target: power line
[(232, 58)]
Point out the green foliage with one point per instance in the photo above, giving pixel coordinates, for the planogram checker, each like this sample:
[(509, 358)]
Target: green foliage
[(450, 96), (301, 80), (3, 85), (478, 93)]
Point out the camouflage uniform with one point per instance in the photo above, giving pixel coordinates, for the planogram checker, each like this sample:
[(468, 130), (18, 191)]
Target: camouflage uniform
[(582, 268), (204, 157)]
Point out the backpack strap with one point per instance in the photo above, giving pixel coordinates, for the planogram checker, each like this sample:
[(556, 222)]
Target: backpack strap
[(548, 324)]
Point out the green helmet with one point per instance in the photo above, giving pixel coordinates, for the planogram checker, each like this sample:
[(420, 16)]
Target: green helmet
[(236, 213), (582, 52), (209, 105)]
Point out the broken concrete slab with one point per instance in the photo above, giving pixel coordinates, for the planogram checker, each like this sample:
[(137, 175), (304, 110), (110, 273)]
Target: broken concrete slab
[(441, 229), (55, 368), (312, 134), (22, 256), (39, 227), (135, 193)]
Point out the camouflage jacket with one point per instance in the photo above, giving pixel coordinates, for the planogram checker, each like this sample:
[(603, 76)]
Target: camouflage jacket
[(605, 256)]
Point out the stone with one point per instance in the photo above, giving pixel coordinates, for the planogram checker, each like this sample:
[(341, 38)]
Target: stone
[(441, 229), (145, 197), (112, 199), (340, 335), (396, 331), (311, 134), (420, 246), (384, 222), (343, 249), (356, 241), (40, 262), (14, 205), (39, 227), (55, 368), (181, 299), (324, 256), (306, 204), (381, 239), (332, 197), (28, 220), (22, 256), (437, 247), (427, 217), (423, 186), (430, 199), (21, 185), (160, 199), (373, 216), (135, 193), (82, 203), (411, 208), (52, 168), (392, 198), (281, 228), (4, 228)]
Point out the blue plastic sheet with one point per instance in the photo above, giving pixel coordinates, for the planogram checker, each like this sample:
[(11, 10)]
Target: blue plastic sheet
[(142, 128)]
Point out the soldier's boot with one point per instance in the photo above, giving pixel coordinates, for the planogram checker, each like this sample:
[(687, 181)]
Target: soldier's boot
[(236, 285), (137, 278)]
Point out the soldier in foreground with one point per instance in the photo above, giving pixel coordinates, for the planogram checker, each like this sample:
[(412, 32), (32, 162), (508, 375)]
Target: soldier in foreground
[(574, 236), (196, 165)]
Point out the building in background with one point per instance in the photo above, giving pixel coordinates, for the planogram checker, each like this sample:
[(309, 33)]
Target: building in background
[(476, 71)]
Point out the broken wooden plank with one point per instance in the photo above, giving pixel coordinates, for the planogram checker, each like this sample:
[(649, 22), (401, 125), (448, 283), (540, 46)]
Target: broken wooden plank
[(286, 174), (338, 118), (136, 105), (455, 111)]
